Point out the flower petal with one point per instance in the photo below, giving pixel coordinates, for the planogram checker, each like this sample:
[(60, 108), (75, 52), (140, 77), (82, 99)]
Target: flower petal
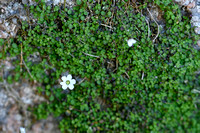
[(64, 86), (71, 86), (73, 81), (69, 77), (64, 78), (62, 83), (131, 42)]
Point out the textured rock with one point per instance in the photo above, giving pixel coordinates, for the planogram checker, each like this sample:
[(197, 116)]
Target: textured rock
[(14, 111), (5, 1), (193, 6), (11, 12), (9, 15), (3, 110)]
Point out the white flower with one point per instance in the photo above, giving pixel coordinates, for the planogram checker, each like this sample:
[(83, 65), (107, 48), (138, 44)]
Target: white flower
[(131, 42), (22, 130), (68, 82)]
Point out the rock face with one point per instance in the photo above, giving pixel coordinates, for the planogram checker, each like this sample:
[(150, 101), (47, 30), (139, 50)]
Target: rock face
[(10, 13), (5, 1), (196, 16), (3, 110), (15, 99), (13, 12), (194, 7)]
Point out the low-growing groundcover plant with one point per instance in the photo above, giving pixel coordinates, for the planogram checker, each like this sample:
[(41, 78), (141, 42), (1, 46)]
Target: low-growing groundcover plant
[(143, 88)]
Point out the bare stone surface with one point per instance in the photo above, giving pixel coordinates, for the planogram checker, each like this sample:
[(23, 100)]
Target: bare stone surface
[(9, 14), (15, 99), (194, 7), (14, 113), (5, 1), (13, 12), (3, 110)]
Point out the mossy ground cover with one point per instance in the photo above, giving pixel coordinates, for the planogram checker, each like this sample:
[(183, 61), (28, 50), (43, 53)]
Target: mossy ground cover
[(143, 88)]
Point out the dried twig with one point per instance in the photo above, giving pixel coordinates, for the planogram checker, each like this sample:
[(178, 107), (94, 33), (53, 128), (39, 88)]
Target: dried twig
[(72, 55), (21, 58), (64, 3), (106, 26), (148, 27), (28, 70), (142, 75), (195, 91), (116, 63), (89, 8), (156, 24), (127, 75), (113, 3), (82, 81), (91, 55)]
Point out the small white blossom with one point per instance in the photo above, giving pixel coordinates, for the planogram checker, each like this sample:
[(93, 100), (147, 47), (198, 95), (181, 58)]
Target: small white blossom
[(22, 130), (68, 82), (131, 42)]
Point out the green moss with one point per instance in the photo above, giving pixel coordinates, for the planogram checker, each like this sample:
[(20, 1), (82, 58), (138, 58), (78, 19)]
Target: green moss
[(144, 88)]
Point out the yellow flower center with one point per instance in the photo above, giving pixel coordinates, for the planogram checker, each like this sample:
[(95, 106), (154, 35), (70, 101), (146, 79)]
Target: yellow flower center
[(67, 82)]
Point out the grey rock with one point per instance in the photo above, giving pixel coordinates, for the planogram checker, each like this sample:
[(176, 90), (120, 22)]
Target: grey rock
[(25, 2), (3, 109), (197, 30), (195, 18), (194, 7), (5, 1), (198, 9)]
